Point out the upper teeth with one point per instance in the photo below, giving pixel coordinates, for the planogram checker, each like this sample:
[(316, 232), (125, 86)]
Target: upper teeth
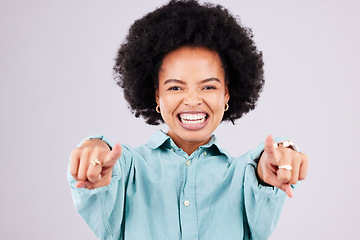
[(192, 117)]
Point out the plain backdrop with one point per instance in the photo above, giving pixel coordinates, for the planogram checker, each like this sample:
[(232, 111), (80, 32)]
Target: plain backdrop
[(56, 88)]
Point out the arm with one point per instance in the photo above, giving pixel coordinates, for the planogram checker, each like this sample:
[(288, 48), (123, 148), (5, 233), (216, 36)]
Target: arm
[(98, 189), (263, 201), (263, 205)]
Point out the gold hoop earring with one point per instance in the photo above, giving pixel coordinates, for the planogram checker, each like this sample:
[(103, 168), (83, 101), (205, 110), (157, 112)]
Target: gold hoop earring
[(157, 108), (226, 107)]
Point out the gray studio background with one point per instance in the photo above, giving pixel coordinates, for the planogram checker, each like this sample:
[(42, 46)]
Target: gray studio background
[(56, 88)]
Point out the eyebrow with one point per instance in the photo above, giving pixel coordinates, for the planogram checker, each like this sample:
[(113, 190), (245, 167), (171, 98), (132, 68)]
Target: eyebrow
[(210, 80), (183, 82)]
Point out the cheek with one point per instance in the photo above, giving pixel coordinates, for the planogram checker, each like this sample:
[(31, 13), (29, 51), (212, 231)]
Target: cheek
[(168, 104), (218, 102)]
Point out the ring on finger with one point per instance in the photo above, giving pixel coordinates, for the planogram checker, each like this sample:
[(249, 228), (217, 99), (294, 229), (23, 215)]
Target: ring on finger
[(285, 167), (95, 161)]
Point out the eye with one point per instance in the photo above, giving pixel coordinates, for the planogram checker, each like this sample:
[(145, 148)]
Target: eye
[(209, 87), (174, 88)]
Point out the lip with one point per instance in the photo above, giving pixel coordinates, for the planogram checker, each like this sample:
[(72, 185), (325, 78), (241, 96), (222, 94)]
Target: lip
[(193, 126)]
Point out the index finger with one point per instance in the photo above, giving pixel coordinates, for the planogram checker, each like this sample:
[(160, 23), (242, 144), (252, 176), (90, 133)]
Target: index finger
[(74, 163), (112, 156), (269, 145)]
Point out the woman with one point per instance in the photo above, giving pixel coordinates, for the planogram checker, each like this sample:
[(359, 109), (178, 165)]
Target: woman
[(191, 66)]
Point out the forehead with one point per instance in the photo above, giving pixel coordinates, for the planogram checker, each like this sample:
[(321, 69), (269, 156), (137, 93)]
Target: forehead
[(192, 61)]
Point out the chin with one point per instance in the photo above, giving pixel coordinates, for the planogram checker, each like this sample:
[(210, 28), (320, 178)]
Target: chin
[(195, 136)]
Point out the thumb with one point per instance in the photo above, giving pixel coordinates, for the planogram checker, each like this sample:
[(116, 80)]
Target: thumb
[(81, 184), (288, 190)]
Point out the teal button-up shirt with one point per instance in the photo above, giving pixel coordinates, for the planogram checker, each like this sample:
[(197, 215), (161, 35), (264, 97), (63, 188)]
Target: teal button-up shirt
[(159, 192)]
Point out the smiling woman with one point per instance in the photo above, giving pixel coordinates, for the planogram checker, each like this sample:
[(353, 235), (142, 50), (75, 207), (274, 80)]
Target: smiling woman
[(190, 66), (192, 95)]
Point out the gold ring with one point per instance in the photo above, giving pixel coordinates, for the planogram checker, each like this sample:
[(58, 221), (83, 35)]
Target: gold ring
[(286, 167), (95, 161)]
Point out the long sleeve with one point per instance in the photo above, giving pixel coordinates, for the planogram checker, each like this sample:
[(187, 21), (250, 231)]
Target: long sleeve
[(103, 208), (263, 204)]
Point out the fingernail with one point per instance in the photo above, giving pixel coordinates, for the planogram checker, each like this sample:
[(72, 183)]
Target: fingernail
[(81, 186)]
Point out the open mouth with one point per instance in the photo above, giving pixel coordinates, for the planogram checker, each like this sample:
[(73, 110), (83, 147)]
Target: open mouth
[(192, 118)]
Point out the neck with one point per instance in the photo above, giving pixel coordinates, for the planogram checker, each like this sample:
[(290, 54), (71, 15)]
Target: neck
[(188, 146)]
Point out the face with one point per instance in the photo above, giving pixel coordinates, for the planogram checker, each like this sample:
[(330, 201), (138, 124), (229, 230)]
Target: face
[(192, 94)]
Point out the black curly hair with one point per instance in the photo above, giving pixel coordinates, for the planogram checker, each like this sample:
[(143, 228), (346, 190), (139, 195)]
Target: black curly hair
[(186, 22)]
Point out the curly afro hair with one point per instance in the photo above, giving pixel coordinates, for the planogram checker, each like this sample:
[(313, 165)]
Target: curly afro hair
[(186, 22)]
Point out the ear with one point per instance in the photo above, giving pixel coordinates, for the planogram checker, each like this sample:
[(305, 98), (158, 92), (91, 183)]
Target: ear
[(227, 94), (157, 96)]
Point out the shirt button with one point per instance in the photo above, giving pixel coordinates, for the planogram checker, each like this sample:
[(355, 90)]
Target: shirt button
[(188, 162), (186, 203), (205, 153)]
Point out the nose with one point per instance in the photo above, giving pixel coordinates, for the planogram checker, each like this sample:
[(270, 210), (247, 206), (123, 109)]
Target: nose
[(192, 98)]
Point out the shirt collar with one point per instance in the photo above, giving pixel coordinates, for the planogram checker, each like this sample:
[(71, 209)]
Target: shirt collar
[(160, 138)]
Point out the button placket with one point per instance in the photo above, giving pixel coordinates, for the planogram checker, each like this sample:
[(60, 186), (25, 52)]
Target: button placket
[(188, 212)]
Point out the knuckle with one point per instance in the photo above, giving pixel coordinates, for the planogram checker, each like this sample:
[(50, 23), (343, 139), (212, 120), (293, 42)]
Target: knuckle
[(293, 181), (74, 151), (82, 177), (306, 158), (93, 176), (101, 152), (85, 153), (301, 178), (74, 176), (73, 172), (284, 179)]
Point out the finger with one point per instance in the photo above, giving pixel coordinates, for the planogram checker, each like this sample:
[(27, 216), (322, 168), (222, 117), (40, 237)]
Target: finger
[(89, 185), (74, 163), (80, 184), (287, 189), (269, 145), (112, 156), (272, 179), (303, 167), (283, 160), (94, 170), (295, 172), (84, 164), (284, 176)]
